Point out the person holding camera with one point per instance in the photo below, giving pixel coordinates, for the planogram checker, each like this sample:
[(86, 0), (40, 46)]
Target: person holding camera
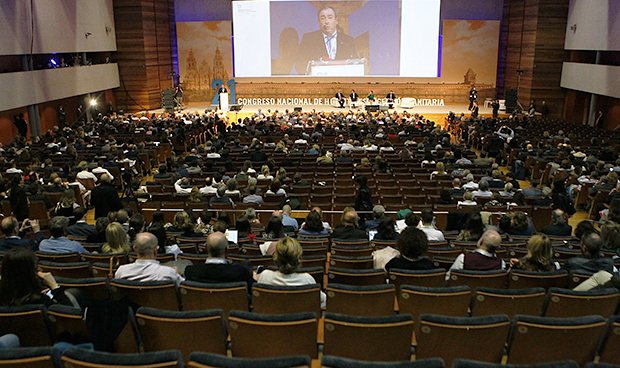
[(15, 238)]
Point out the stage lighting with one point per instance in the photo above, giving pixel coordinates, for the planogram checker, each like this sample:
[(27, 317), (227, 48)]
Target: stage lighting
[(93, 102), (53, 62)]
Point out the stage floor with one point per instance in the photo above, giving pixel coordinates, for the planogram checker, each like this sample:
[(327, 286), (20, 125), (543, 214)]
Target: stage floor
[(435, 113)]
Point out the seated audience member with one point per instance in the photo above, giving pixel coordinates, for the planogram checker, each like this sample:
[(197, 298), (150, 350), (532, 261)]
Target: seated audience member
[(508, 191), (313, 225), (469, 182), (14, 234), (274, 229), (444, 197), (468, 200), (483, 190), (610, 234), (413, 245), (117, 241), (147, 267), (456, 190), (583, 228), (377, 212), (495, 201), (21, 284), (412, 220), (591, 260), (81, 228), (221, 197), (539, 256), (101, 225), (217, 268), (196, 197), (326, 224), (183, 186), (137, 224), (252, 197), (204, 222), (298, 181), (183, 224), (276, 188), (66, 205), (231, 189), (483, 258), (559, 227), (521, 224), (348, 230), (427, 226), (158, 229), (496, 181), (385, 231), (546, 200), (244, 229), (287, 258), (532, 191), (474, 227), (287, 221), (58, 243)]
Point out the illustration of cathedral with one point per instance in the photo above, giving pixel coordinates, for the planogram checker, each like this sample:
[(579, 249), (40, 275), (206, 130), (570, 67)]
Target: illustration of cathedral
[(198, 77)]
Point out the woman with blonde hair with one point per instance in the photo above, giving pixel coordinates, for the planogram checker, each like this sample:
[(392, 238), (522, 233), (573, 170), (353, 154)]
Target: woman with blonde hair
[(539, 256), (195, 196), (66, 204), (264, 173), (287, 258), (116, 239), (440, 169)]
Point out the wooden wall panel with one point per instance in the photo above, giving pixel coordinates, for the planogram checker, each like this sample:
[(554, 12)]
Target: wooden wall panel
[(144, 35)]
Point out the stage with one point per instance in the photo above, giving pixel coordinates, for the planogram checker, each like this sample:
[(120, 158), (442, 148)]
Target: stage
[(434, 113)]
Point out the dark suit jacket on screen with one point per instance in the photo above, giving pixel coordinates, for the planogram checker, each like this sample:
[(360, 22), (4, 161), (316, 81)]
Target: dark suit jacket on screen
[(312, 47)]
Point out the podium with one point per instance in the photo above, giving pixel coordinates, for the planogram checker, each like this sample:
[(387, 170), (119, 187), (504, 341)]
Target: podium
[(224, 101), (337, 68)]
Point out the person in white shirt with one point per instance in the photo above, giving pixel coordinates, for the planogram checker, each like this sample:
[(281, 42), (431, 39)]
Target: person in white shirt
[(432, 234), (287, 258), (467, 200), (208, 188), (469, 178), (85, 174), (147, 267), (483, 190), (182, 186), (101, 170), (213, 153)]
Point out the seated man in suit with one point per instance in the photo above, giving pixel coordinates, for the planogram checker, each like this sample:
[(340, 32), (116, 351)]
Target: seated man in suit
[(559, 227), (81, 228), (591, 260), (347, 231), (217, 268), (328, 43), (58, 242), (15, 238)]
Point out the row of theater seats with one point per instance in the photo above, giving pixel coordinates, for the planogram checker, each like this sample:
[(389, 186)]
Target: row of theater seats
[(519, 340)]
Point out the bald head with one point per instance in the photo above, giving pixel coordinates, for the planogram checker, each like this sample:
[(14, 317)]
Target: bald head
[(105, 178), (146, 245), (490, 241), (287, 209), (350, 218), (216, 245), (9, 226)]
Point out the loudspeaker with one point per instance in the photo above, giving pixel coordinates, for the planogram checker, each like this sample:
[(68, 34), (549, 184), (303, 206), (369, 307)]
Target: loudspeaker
[(167, 99), (236, 107), (511, 100), (383, 108), (298, 109), (372, 108)]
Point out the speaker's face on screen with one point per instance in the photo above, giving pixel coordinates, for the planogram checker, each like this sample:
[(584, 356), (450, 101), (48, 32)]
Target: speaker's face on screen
[(328, 21)]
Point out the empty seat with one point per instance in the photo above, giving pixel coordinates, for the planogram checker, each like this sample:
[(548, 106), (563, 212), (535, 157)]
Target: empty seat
[(372, 300), (275, 299), (385, 338), (329, 361), (37, 357), (92, 287), (58, 257), (28, 322), (255, 335), (208, 360), (226, 296), (462, 337), (464, 363), (528, 279), (67, 324), (496, 279), (356, 263), (76, 270), (356, 277), (569, 303), (488, 301), (185, 331), (610, 344), (447, 301), (82, 358), (154, 294), (427, 278), (571, 338)]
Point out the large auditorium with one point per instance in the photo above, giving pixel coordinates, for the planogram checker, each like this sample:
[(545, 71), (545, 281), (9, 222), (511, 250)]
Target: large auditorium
[(310, 183)]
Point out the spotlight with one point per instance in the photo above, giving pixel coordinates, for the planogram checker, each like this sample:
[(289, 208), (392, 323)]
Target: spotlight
[(53, 62), (93, 102)]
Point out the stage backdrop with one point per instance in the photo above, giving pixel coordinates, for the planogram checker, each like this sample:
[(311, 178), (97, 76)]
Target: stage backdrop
[(469, 52), (205, 54)]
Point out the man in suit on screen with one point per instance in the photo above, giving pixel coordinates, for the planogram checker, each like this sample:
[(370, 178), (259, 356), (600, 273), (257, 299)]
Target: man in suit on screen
[(328, 43)]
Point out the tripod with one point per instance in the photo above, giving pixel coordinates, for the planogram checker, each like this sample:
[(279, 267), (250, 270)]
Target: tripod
[(519, 108)]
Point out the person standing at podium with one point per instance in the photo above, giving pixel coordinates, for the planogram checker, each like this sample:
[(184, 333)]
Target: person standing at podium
[(328, 43), (390, 99), (354, 97), (340, 97), (223, 93)]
